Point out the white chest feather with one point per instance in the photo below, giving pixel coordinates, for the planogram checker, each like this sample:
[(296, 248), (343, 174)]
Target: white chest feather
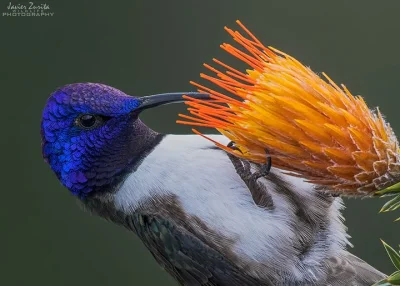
[(207, 185)]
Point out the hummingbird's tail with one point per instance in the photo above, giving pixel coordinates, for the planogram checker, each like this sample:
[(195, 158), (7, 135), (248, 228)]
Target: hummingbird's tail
[(351, 270)]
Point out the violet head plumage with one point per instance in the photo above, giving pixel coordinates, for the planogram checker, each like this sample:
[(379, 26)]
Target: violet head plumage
[(91, 134), (83, 126)]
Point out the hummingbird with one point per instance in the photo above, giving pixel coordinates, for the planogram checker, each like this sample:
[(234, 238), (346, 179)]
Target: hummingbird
[(206, 216)]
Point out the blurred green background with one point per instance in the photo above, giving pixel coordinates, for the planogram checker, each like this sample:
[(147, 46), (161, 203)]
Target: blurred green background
[(146, 47)]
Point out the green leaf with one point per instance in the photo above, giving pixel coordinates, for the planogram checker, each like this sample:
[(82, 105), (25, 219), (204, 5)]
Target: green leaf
[(391, 205), (394, 278), (389, 190), (393, 254), (382, 283)]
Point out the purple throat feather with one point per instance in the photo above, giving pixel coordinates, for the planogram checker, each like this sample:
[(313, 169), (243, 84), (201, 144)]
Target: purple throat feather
[(91, 134)]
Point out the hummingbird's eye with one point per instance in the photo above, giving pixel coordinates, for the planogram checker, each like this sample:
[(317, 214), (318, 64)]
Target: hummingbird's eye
[(88, 121)]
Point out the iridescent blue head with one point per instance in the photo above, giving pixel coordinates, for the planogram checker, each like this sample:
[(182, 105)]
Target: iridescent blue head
[(91, 134)]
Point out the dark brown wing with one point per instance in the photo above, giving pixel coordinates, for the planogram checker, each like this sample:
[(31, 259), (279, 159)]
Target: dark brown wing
[(186, 257), (351, 270)]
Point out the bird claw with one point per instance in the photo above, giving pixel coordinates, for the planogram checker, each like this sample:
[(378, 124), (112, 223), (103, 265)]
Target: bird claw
[(264, 168), (258, 191), (233, 147)]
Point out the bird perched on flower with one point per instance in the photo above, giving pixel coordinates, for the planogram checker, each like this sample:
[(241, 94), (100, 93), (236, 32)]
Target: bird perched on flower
[(208, 215)]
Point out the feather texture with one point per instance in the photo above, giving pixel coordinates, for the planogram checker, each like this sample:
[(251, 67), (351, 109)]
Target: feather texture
[(194, 189)]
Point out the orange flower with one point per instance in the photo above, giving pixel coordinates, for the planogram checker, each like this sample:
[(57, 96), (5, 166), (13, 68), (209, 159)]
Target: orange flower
[(311, 127)]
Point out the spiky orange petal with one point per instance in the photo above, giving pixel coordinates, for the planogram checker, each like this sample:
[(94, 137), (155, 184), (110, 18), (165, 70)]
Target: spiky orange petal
[(311, 127)]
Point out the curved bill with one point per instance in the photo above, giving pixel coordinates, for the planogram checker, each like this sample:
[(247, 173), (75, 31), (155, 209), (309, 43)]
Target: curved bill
[(166, 98)]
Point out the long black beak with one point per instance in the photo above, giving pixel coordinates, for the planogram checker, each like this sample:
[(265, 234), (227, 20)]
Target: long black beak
[(166, 98)]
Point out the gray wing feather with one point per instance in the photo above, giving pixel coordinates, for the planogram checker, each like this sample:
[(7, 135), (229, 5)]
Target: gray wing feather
[(185, 257), (351, 270)]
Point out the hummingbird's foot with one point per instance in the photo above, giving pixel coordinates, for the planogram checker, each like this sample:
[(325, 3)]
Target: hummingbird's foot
[(264, 168), (232, 146), (258, 191)]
